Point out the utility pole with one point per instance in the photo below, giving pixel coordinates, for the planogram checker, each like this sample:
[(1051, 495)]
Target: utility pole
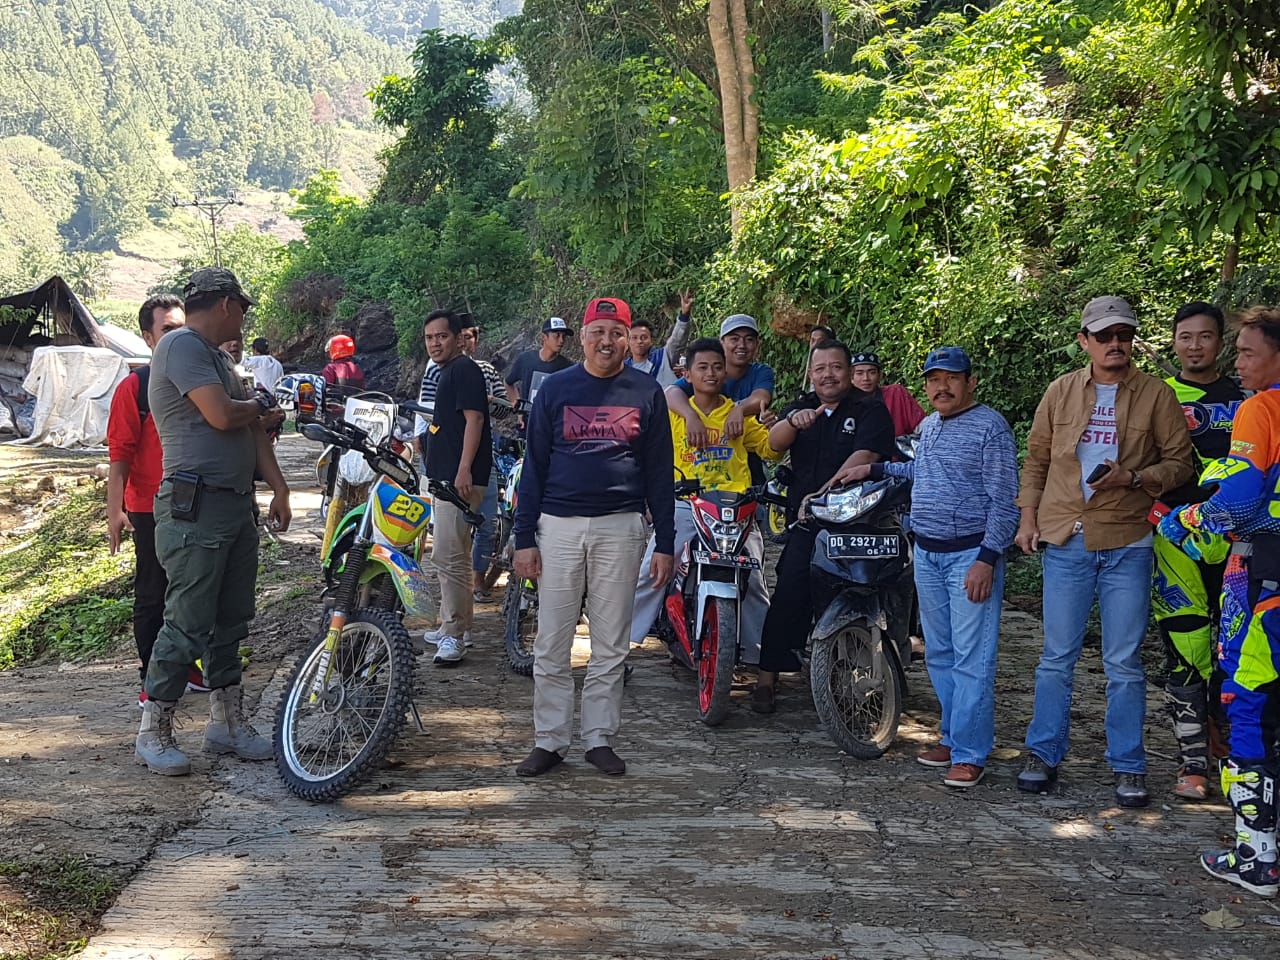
[(212, 207)]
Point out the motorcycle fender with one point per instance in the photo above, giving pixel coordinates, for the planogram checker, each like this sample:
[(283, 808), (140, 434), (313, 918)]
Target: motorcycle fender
[(850, 605), (411, 583), (712, 588)]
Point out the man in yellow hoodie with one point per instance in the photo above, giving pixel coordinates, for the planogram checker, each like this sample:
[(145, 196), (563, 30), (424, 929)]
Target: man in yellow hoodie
[(721, 464)]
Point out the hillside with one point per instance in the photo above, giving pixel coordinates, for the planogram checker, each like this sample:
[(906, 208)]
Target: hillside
[(107, 109), (400, 22)]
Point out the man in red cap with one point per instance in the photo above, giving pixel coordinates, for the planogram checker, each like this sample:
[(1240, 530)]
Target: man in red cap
[(598, 456)]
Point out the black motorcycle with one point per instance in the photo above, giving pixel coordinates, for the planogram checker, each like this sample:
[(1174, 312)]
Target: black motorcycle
[(863, 585)]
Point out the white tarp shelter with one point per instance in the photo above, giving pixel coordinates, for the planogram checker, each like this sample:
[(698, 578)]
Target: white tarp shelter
[(73, 387)]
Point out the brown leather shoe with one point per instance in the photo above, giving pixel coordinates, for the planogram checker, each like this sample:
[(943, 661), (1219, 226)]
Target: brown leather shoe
[(606, 761), (964, 775), (939, 755), (538, 762)]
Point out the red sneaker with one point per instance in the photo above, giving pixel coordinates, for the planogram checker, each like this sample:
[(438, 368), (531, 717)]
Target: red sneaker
[(195, 681), (964, 775), (938, 755), (142, 697)]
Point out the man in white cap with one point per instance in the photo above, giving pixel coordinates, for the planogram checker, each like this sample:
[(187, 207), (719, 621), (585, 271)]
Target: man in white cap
[(533, 366), (748, 384), (1107, 440)]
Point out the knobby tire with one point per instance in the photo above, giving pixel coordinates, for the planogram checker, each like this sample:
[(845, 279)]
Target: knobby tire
[(369, 694), (521, 625)]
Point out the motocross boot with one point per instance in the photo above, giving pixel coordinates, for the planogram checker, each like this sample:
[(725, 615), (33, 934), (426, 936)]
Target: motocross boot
[(229, 730), (1189, 710), (1251, 863), (155, 745)]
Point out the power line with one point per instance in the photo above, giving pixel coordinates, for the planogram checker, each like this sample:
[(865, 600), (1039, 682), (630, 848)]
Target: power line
[(211, 207), (124, 45)]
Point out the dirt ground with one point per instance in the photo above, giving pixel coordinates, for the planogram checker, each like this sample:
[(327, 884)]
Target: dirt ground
[(755, 839)]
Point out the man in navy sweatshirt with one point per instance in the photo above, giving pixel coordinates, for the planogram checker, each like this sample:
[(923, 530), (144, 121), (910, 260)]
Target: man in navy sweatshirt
[(964, 518), (598, 454)]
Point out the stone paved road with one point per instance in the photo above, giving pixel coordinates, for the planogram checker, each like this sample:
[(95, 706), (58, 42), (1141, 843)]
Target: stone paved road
[(756, 839)]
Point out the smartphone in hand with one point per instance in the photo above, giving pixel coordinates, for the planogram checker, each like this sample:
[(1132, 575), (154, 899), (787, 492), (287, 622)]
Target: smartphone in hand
[(1098, 472)]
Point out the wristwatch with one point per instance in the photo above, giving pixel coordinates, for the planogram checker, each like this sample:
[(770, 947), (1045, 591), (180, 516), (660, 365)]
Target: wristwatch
[(1136, 480)]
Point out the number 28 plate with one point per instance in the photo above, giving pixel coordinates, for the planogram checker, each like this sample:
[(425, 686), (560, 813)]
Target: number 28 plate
[(850, 546)]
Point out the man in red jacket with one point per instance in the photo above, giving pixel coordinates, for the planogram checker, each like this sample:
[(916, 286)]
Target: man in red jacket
[(135, 457)]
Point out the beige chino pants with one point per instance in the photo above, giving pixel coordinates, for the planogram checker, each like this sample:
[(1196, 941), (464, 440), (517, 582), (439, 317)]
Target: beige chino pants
[(601, 556), (451, 554)]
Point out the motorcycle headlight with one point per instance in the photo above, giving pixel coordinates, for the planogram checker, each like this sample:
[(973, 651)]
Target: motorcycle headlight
[(846, 506), (727, 535)]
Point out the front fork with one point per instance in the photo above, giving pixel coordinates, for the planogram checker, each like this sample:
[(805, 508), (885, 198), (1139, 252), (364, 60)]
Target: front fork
[(343, 603)]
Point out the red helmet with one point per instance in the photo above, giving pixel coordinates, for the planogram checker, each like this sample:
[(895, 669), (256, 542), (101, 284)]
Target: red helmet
[(341, 347)]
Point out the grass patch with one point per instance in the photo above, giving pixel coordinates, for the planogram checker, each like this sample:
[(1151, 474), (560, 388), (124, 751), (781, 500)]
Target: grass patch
[(61, 592), (48, 907)]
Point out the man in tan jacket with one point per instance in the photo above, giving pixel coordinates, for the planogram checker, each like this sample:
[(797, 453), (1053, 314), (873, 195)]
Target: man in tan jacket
[(1106, 442)]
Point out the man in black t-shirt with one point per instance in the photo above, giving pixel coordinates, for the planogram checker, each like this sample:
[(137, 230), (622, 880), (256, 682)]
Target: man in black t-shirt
[(1185, 600), (532, 367), (460, 451), (833, 427)]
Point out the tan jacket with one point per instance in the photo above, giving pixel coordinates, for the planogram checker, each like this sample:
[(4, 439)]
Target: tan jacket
[(1153, 438)]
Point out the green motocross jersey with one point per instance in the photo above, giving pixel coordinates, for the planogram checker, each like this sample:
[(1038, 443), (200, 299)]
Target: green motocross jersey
[(1210, 409)]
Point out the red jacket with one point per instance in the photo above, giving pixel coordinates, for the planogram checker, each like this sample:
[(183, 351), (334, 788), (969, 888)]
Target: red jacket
[(133, 441), (904, 408)]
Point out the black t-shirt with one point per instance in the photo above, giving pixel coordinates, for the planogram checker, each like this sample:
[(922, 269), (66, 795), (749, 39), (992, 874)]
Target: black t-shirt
[(529, 370), (1210, 409), (860, 422), (461, 387)]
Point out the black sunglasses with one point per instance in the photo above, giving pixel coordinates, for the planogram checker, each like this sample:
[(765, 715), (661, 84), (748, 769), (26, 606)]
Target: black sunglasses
[(1124, 335)]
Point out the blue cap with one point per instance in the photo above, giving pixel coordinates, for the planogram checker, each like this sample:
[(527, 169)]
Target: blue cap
[(951, 359)]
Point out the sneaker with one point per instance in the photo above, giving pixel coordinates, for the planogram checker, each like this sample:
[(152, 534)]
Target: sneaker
[(1191, 786), (482, 596), (449, 650), (1260, 878), (964, 775), (1036, 776), (939, 755), (1131, 790), (432, 637), (142, 699), (195, 681)]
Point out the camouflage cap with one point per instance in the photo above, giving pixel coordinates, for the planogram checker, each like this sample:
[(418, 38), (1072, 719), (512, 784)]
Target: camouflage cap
[(218, 280)]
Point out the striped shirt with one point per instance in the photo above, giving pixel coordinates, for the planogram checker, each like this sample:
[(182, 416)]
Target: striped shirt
[(965, 480)]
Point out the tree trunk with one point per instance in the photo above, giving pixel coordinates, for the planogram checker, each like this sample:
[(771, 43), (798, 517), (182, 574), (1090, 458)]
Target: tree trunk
[(1231, 259), (729, 27)]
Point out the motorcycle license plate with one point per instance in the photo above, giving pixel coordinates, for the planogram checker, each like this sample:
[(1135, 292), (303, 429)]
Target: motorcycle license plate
[(724, 560), (855, 546)]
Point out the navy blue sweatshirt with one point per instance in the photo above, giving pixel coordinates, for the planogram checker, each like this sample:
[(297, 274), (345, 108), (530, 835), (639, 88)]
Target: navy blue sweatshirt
[(597, 446)]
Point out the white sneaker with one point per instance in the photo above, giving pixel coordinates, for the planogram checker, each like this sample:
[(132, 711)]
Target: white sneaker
[(432, 637), (449, 650)]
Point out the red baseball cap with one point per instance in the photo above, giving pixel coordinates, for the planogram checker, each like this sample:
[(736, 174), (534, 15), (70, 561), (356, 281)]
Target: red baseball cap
[(607, 308)]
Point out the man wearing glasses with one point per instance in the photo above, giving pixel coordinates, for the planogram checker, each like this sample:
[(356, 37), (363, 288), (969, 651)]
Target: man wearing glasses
[(1107, 440)]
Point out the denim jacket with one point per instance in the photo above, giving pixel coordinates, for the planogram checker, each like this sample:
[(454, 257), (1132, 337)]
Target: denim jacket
[(1153, 439)]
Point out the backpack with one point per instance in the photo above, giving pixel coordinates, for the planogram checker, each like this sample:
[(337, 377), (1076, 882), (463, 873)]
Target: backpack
[(144, 380)]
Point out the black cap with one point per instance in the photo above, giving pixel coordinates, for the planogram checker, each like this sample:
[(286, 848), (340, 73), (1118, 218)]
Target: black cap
[(218, 280)]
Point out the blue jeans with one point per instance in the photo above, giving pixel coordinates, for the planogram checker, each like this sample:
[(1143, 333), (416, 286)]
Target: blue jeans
[(1121, 581), (960, 639), (482, 544)]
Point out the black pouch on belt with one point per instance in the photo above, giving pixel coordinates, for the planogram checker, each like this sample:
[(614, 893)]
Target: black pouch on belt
[(1264, 562), (184, 498)]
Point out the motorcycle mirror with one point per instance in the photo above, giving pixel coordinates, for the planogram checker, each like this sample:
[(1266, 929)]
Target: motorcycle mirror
[(314, 431)]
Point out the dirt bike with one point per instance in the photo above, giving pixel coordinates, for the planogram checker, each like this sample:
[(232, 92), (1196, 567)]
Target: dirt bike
[(862, 580), (703, 605), (348, 696)]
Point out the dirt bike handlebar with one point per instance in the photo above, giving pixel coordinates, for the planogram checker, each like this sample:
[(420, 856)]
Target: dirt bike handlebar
[(446, 491)]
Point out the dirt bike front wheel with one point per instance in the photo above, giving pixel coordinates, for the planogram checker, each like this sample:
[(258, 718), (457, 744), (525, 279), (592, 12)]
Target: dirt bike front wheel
[(719, 656), (856, 691), (341, 712), (520, 616)]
